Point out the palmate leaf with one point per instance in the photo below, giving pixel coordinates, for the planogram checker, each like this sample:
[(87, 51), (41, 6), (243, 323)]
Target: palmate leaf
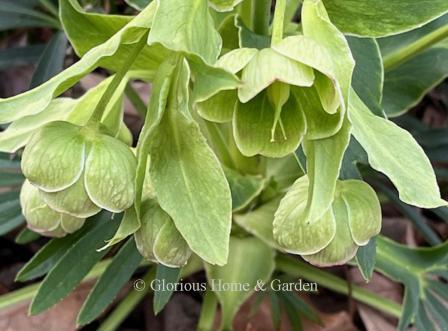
[(421, 270), (382, 17)]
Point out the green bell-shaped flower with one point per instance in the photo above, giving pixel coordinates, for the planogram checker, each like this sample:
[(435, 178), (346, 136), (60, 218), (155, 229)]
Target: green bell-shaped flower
[(291, 90), (353, 218), (41, 218), (79, 170), (158, 239)]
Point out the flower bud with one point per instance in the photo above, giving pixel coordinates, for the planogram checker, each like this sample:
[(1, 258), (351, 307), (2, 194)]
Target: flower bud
[(158, 240), (80, 170), (41, 218)]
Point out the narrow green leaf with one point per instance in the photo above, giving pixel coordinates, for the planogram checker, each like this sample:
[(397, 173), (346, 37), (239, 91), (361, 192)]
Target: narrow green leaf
[(366, 259), (74, 264), (51, 61), (402, 91), (163, 295), (10, 212), (26, 236), (119, 271), (46, 258), (14, 14), (19, 56), (368, 75), (413, 215), (128, 225)]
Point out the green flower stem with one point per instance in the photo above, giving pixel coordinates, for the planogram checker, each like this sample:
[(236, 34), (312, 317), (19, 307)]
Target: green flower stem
[(261, 14), (107, 95), (404, 54), (298, 268), (127, 305), (278, 23), (208, 311), (136, 101)]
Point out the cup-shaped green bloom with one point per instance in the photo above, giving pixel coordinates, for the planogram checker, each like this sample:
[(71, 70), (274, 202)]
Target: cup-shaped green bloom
[(283, 97), (158, 239), (353, 218), (41, 218), (80, 170)]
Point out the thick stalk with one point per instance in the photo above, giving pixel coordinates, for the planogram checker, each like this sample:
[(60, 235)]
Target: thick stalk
[(409, 51), (107, 95), (298, 268), (261, 14), (278, 22)]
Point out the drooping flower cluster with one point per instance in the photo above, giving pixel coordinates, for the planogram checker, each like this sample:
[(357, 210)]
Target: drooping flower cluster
[(75, 172)]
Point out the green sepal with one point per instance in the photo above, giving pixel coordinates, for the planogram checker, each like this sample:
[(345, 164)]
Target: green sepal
[(268, 66), (253, 123), (54, 158), (342, 248), (73, 201), (293, 232), (110, 174), (364, 210)]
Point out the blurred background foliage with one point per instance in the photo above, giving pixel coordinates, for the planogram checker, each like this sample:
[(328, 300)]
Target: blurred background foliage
[(33, 48)]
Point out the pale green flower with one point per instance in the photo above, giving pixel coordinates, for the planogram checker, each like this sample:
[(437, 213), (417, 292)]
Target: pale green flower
[(80, 170), (41, 218)]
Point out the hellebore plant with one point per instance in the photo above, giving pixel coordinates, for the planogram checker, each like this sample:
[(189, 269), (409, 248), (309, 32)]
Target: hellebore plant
[(249, 146)]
